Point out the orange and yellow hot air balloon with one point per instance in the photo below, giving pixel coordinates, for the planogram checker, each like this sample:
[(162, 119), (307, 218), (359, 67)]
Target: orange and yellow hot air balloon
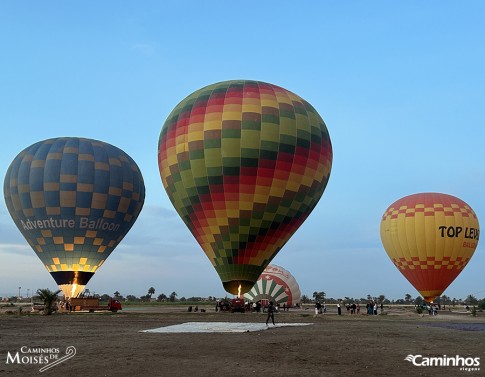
[(430, 238)]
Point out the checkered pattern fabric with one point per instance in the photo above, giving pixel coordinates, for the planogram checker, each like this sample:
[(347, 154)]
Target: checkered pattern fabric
[(408, 208), (244, 163), (431, 263), (74, 200)]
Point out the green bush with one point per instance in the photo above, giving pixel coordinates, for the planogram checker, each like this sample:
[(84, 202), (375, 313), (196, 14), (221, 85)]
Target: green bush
[(481, 304)]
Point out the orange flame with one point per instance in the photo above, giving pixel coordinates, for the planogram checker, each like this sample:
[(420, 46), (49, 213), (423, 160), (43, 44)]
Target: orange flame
[(239, 291)]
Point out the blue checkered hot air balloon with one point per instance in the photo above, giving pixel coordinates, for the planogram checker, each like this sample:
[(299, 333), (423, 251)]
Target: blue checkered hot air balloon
[(74, 200)]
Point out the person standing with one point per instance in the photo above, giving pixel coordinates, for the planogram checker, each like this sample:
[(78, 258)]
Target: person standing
[(318, 308), (271, 310)]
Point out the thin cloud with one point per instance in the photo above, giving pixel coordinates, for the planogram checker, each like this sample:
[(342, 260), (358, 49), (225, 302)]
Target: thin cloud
[(146, 49)]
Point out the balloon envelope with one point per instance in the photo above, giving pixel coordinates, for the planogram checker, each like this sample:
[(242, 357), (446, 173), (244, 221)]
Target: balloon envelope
[(244, 163), (275, 284), (430, 238), (73, 199)]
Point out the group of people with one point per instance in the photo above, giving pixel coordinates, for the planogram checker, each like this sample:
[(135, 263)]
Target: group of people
[(354, 308), (223, 306), (320, 308), (196, 309), (227, 306), (277, 307), (372, 307), (271, 308), (256, 307)]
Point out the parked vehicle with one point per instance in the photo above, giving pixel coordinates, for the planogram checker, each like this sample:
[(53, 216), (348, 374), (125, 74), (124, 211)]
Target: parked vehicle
[(91, 304), (238, 305)]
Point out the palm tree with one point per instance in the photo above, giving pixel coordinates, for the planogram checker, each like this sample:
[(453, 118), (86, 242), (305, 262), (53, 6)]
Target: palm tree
[(49, 297), (471, 300), (319, 296), (151, 291), (173, 295), (445, 300)]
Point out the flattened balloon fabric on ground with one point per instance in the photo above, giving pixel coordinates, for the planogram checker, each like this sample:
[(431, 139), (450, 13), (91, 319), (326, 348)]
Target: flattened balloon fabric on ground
[(219, 327)]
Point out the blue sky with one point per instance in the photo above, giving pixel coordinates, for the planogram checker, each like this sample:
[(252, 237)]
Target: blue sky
[(400, 85)]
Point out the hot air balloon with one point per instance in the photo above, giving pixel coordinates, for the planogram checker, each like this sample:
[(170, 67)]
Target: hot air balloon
[(275, 284), (430, 238), (244, 163), (73, 199)]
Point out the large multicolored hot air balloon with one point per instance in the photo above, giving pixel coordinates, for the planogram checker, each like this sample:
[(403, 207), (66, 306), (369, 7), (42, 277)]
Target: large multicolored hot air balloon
[(275, 284), (430, 238), (244, 163), (73, 199)]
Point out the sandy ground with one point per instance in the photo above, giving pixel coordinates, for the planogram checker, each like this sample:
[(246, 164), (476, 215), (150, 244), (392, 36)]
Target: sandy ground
[(111, 344)]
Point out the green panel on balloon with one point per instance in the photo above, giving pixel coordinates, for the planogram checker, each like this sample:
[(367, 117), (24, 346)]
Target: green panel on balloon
[(260, 158)]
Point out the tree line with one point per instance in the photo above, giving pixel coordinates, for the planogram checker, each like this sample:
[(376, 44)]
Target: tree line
[(318, 296), (406, 300)]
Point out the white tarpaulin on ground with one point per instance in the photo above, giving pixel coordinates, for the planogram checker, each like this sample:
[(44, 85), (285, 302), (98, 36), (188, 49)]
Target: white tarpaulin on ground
[(219, 327)]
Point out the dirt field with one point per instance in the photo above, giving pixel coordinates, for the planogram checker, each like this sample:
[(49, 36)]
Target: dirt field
[(111, 345)]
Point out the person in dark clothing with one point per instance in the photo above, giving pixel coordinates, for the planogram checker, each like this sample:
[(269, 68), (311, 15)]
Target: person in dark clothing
[(271, 310)]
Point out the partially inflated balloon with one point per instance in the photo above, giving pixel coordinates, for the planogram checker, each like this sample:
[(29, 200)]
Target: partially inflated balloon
[(244, 163), (73, 200), (430, 238), (275, 284)]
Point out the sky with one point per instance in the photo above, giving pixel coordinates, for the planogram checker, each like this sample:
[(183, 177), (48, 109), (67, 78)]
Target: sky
[(400, 85)]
